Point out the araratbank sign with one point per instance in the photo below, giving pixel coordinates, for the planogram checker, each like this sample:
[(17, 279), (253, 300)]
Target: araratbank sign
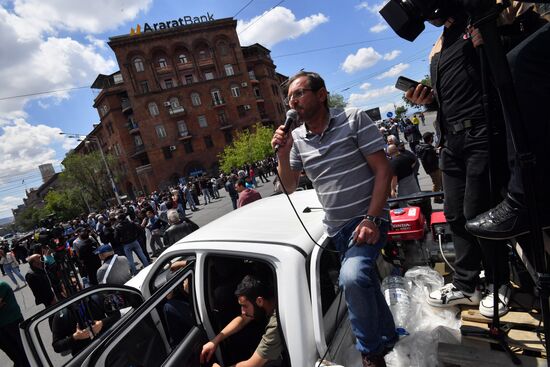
[(186, 20)]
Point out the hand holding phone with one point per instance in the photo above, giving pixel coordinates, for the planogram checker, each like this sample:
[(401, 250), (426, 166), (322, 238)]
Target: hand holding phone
[(414, 91), (405, 84)]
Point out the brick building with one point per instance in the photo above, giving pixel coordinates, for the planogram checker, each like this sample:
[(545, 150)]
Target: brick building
[(178, 99)]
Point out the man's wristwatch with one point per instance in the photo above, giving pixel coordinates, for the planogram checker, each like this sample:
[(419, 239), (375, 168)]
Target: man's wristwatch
[(371, 218)]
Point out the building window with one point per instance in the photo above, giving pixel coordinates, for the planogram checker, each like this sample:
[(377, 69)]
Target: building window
[(110, 128), (182, 128), (228, 136), (208, 141), (235, 91), (103, 110), (117, 78), (202, 121), (229, 69), (257, 92), (161, 132), (209, 75), (138, 64), (222, 118), (144, 86), (137, 141), (162, 62), (188, 79), (216, 97), (117, 149), (188, 146), (251, 75), (167, 151), (204, 54), (153, 109), (241, 110), (182, 58), (168, 83), (224, 49), (195, 99)]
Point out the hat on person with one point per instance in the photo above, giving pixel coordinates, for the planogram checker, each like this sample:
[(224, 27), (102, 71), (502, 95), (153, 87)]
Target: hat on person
[(103, 249)]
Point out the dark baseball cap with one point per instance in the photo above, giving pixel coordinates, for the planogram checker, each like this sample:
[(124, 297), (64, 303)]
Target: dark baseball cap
[(103, 249)]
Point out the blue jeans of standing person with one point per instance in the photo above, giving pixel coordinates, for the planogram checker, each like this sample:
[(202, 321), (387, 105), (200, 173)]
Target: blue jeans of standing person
[(206, 195), (10, 270), (134, 247), (370, 317)]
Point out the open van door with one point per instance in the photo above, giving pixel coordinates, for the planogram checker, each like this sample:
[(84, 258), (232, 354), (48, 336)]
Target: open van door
[(65, 333)]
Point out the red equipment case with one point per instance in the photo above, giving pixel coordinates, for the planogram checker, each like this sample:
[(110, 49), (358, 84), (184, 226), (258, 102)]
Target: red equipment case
[(407, 224)]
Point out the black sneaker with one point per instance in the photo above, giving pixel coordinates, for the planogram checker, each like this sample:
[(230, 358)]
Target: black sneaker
[(506, 220)]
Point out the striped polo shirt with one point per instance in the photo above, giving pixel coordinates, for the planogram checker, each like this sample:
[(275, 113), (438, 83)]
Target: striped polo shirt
[(335, 161)]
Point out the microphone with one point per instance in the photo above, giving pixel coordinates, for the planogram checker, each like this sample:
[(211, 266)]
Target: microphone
[(291, 117)]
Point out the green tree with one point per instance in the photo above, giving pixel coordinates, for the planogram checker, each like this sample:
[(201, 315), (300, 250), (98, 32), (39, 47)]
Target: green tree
[(247, 147), (66, 203), (87, 174), (30, 218), (426, 81), (336, 100), (400, 111)]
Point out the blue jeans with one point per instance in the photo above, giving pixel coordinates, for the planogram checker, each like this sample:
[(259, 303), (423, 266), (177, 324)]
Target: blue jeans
[(135, 247), (370, 317), (10, 270)]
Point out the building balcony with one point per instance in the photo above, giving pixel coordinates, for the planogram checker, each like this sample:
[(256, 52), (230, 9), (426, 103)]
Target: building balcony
[(176, 110), (164, 70), (144, 169), (139, 149), (259, 99), (225, 125), (185, 66), (133, 127), (209, 61), (126, 106), (184, 135)]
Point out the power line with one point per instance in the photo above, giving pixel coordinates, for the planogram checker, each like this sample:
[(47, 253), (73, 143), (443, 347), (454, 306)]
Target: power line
[(46, 92), (20, 186), (261, 16), (244, 7)]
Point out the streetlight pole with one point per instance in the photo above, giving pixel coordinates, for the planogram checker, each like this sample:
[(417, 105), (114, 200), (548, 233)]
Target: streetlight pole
[(94, 139)]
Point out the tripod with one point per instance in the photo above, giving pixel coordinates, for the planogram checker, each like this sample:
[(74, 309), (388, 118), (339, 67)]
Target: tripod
[(496, 60)]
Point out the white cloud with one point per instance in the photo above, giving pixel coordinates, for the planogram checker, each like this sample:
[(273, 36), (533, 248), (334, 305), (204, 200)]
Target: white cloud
[(392, 55), (85, 16), (363, 59), (394, 71), (375, 8), (380, 27), (7, 203), (278, 25), (23, 147), (363, 99)]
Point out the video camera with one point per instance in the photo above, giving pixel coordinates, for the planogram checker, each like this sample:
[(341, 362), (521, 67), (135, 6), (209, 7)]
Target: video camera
[(52, 234), (407, 17)]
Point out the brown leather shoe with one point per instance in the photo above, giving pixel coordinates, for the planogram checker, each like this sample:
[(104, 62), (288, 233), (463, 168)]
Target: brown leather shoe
[(373, 361)]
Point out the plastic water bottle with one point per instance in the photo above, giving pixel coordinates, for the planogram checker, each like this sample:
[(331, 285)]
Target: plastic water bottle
[(396, 293)]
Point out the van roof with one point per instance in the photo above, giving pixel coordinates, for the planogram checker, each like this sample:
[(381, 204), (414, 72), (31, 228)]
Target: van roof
[(270, 220)]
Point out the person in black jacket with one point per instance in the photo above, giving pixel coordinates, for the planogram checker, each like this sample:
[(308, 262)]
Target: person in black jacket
[(126, 233), (39, 283), (84, 247), (178, 228), (425, 151)]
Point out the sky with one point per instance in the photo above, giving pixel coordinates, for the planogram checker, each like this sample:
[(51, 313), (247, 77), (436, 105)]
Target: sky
[(52, 51)]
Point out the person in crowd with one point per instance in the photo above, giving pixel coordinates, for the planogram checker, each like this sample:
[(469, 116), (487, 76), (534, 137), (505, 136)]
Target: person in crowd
[(126, 234), (155, 225), (412, 135), (353, 194), (115, 269), (100, 224), (84, 248), (40, 283), (178, 228), (246, 195), (464, 162), (427, 154), (178, 310), (257, 301), (11, 267), (230, 188), (422, 118), (10, 318), (415, 120), (404, 181), (187, 190), (203, 184)]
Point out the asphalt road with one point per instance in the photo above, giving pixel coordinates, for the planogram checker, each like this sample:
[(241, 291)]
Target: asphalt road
[(203, 216)]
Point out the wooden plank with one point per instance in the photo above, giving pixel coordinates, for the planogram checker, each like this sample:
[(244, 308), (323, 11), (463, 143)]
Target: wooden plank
[(516, 338), (512, 318), (470, 356)]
